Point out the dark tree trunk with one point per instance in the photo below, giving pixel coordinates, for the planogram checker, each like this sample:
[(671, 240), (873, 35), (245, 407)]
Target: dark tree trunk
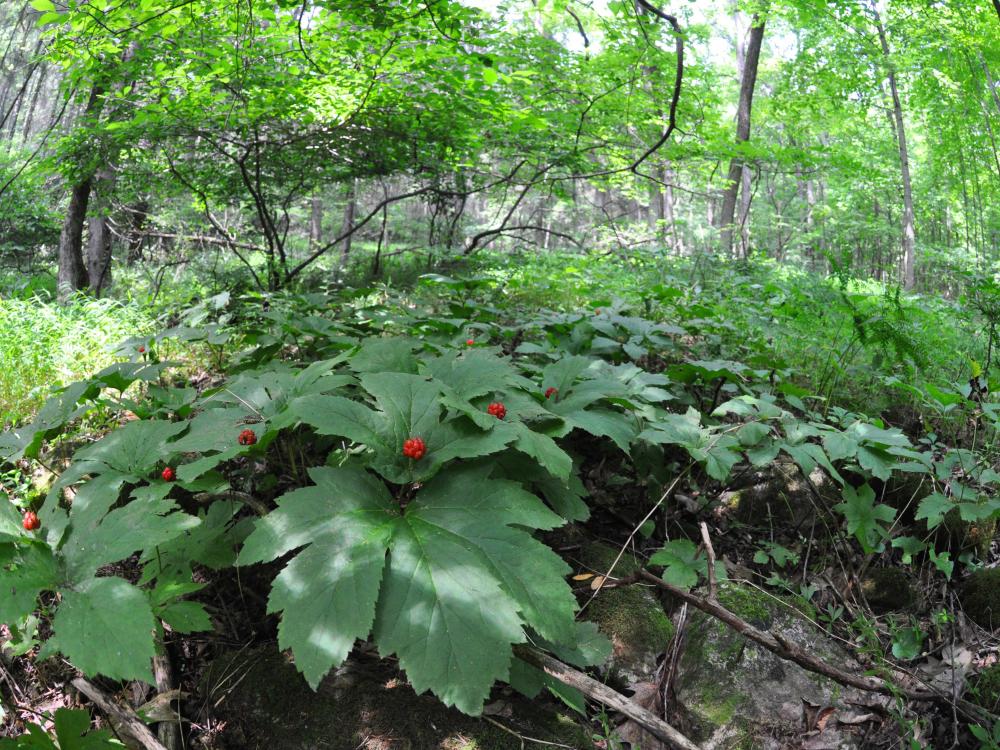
[(349, 209), (99, 233), (748, 81), (72, 274)]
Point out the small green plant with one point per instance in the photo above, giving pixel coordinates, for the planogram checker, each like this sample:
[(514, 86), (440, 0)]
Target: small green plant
[(71, 730)]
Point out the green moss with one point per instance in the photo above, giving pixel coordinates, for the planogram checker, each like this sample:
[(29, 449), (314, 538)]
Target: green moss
[(598, 558), (716, 706), (632, 616), (633, 619), (985, 689), (981, 597), (888, 590), (747, 603), (969, 535)]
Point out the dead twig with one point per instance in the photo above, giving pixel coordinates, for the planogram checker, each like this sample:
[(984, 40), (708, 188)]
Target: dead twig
[(710, 552), (130, 722), (169, 731), (603, 694)]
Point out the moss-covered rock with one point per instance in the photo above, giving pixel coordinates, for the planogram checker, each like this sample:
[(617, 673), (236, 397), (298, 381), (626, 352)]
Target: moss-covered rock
[(632, 617), (365, 705), (888, 590), (980, 595), (734, 693), (777, 495), (969, 535)]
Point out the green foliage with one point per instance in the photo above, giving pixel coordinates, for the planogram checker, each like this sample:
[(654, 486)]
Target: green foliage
[(439, 560), (72, 732), (42, 345)]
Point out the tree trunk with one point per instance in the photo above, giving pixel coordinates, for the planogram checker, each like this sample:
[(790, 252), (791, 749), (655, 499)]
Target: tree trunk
[(745, 196), (748, 81), (909, 231), (990, 83), (72, 273), (315, 223), (138, 214), (349, 208), (99, 233)]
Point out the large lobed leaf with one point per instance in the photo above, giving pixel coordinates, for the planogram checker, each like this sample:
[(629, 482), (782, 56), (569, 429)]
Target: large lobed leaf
[(447, 583)]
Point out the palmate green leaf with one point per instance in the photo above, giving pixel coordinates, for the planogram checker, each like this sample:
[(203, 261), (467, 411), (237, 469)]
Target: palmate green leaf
[(410, 406), (394, 354), (327, 593), (933, 509), (910, 546), (213, 543), (876, 460), (105, 626), (186, 617), (25, 571), (132, 451), (72, 732), (544, 450), (839, 445), (445, 616), (10, 521), (214, 430), (471, 374), (565, 498), (864, 517), (462, 580), (681, 563), (619, 427), (268, 394), (147, 520)]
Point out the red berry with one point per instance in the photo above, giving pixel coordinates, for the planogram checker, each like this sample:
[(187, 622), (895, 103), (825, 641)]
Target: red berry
[(142, 350), (31, 522), (497, 409), (469, 342), (168, 474), (550, 392), (414, 448), (247, 437)]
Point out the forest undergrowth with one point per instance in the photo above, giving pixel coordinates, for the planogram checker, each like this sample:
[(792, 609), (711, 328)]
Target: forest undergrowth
[(405, 467)]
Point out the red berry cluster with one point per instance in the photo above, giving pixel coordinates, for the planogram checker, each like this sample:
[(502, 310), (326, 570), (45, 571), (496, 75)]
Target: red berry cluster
[(31, 522), (414, 448), (247, 437), (142, 350), (469, 342), (550, 392), (168, 474), (497, 409)]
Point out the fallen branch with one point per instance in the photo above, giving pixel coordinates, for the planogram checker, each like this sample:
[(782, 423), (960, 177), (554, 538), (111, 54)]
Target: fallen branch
[(602, 693), (169, 731), (126, 716), (785, 649)]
